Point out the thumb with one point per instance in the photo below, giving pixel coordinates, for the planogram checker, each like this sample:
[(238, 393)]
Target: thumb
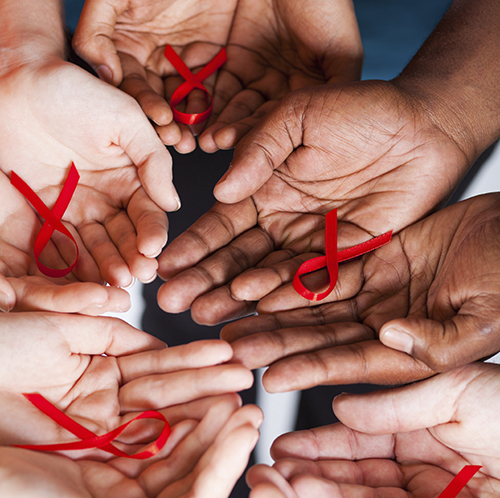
[(263, 150), (444, 345), (7, 293), (93, 40), (425, 404)]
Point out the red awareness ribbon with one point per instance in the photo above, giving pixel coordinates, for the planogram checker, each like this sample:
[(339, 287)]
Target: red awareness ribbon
[(332, 258), (52, 218), (192, 81), (459, 481), (91, 440)]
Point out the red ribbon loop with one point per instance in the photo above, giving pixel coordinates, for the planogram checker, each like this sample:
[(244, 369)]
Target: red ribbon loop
[(332, 258), (91, 440), (192, 81), (459, 481), (52, 218)]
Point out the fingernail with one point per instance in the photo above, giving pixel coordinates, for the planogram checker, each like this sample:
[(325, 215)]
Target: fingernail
[(104, 73), (5, 306), (131, 284), (397, 339), (149, 280), (178, 200)]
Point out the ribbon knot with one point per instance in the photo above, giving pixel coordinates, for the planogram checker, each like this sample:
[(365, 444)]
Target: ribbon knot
[(52, 218), (192, 81), (88, 438), (332, 258)]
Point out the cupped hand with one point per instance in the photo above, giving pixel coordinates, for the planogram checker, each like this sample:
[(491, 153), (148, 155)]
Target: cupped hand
[(55, 113), (424, 303), (408, 442), (276, 47), (205, 460), (24, 288), (99, 371), (125, 42), (368, 149)]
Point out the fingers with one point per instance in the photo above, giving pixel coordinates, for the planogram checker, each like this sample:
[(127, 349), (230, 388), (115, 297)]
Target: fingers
[(93, 39), (150, 222), (262, 349), (38, 294), (196, 354), (446, 397), (364, 362), (160, 390), (267, 482), (333, 441), (186, 455), (7, 294), (225, 461), (262, 150), (467, 337)]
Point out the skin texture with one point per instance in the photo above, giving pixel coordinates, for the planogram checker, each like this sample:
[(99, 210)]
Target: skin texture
[(367, 149), (269, 54), (434, 285), (388, 446), (61, 357), (49, 110)]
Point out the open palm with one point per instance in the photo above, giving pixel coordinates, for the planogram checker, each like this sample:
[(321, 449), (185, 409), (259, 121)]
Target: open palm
[(364, 148), (405, 442)]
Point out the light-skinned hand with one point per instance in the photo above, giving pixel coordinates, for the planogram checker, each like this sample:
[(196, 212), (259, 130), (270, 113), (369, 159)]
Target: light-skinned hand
[(24, 288), (100, 371), (424, 303), (405, 442), (55, 113)]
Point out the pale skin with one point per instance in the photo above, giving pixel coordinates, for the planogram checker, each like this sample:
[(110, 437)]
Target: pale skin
[(269, 53), (407, 442), (24, 288), (424, 303), (384, 154), (61, 357), (53, 114)]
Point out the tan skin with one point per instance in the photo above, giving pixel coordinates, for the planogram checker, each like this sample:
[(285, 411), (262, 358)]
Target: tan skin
[(388, 446)]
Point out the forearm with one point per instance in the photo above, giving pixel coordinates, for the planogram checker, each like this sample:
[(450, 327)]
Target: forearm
[(456, 74), (30, 30)]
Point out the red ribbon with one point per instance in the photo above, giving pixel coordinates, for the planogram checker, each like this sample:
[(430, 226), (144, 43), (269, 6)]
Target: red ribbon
[(52, 218), (91, 440), (459, 481), (332, 258), (192, 81)]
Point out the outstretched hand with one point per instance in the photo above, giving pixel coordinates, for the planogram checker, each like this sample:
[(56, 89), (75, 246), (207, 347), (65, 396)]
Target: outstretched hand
[(101, 372), (274, 48), (125, 170), (24, 288), (368, 149), (125, 43), (424, 303), (409, 441)]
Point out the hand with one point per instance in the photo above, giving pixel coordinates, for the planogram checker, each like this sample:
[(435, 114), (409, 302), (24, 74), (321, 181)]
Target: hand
[(388, 443), (430, 294), (61, 358), (276, 47), (24, 288), (125, 43), (367, 149), (49, 116), (203, 463)]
